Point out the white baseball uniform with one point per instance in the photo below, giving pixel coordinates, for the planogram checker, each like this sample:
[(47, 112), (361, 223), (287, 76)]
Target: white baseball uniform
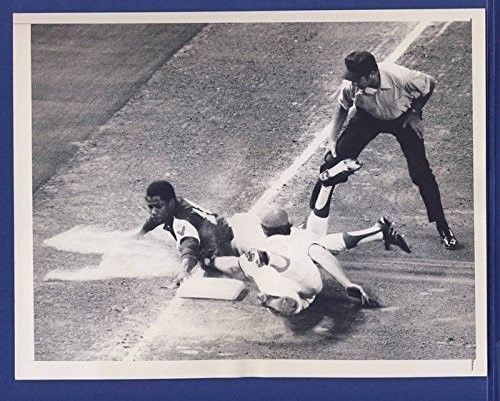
[(291, 271)]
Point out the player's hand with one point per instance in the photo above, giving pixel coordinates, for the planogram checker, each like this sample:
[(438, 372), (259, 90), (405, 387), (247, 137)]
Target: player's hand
[(138, 235), (356, 291), (413, 115), (179, 279), (330, 151)]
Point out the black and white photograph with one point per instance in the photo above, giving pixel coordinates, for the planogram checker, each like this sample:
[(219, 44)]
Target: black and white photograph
[(275, 194)]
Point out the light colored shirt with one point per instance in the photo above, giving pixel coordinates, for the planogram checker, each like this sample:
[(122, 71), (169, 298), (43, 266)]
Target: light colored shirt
[(290, 272), (399, 88), (247, 232), (300, 267), (183, 229)]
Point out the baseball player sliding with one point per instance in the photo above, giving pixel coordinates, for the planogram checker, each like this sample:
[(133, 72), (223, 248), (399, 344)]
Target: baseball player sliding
[(200, 235), (287, 270)]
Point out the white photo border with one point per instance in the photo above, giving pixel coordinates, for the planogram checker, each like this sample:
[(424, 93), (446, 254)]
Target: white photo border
[(26, 368)]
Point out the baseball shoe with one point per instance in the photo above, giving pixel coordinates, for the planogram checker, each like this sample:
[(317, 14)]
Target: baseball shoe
[(284, 306), (252, 260), (340, 172), (448, 239), (391, 235), (260, 258)]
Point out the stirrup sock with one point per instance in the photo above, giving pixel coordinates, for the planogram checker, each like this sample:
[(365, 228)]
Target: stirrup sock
[(352, 239), (320, 200)]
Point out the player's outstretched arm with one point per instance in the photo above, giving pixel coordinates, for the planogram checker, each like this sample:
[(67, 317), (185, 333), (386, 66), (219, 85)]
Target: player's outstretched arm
[(187, 265), (189, 248), (148, 226), (330, 263)]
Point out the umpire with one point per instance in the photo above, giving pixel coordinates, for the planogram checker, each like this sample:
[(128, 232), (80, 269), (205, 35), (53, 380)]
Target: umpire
[(388, 98)]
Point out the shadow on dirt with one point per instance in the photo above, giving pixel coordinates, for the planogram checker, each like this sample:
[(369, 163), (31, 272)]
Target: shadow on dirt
[(335, 316)]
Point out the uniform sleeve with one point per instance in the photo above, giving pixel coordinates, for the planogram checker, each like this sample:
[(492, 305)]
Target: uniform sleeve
[(188, 239), (417, 83), (149, 225), (346, 95), (189, 248)]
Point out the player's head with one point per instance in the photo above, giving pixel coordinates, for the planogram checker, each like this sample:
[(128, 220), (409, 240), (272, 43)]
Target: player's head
[(361, 69), (274, 221), (161, 201)]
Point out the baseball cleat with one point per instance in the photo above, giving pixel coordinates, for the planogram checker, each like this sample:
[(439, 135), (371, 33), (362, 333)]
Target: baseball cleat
[(252, 260), (260, 258), (285, 306), (339, 172), (448, 239), (392, 236)]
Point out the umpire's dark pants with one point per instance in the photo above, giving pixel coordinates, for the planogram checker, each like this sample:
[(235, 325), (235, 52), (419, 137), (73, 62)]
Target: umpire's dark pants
[(361, 127)]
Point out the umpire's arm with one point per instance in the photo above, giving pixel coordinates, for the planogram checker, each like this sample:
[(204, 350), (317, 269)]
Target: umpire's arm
[(339, 116), (345, 102), (425, 86)]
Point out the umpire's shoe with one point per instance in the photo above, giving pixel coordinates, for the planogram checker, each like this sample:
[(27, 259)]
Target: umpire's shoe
[(391, 235), (448, 239), (339, 173)]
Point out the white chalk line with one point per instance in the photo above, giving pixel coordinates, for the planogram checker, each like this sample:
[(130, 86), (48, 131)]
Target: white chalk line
[(435, 265), (405, 44), (156, 328), (292, 170), (444, 28)]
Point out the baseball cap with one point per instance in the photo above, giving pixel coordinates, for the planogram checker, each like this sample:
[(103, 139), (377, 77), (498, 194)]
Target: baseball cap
[(274, 217), (359, 63)]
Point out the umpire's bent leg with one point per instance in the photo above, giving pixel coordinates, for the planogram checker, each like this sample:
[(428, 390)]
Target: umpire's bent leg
[(359, 129)]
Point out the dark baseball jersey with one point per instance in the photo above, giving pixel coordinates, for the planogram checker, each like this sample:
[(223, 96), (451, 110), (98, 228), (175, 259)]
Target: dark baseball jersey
[(199, 234)]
